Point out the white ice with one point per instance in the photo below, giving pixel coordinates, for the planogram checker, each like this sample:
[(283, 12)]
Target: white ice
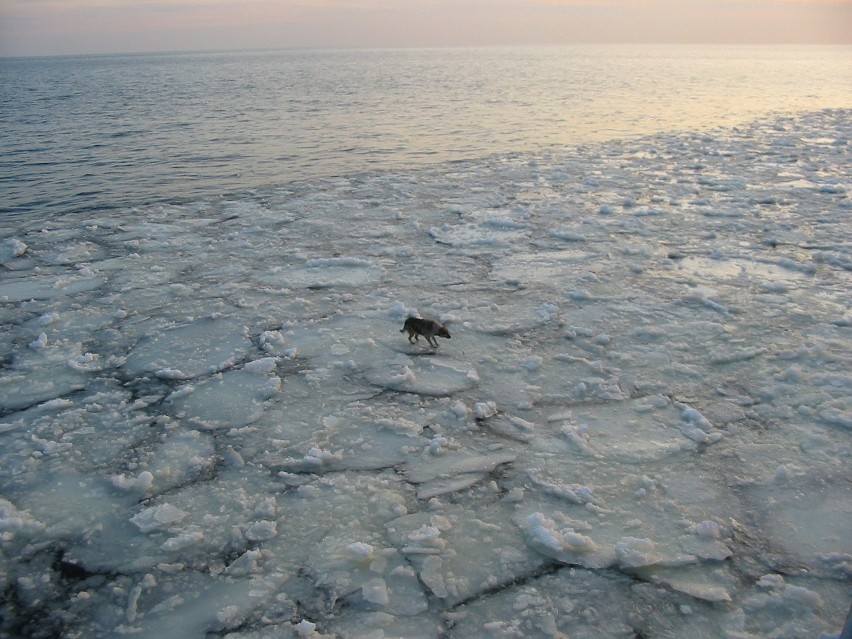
[(210, 423)]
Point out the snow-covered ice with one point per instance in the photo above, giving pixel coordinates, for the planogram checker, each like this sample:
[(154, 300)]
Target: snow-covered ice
[(641, 426)]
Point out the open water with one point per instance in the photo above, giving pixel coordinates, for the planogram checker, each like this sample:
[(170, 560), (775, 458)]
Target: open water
[(79, 133)]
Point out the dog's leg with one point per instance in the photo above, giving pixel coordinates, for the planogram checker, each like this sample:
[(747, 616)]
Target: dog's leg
[(432, 341)]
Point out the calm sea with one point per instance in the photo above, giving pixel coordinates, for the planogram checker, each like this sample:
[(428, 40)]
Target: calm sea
[(94, 132)]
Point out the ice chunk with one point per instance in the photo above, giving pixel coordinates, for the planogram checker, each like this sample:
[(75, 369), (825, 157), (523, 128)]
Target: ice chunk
[(423, 376), (567, 235), (513, 427), (807, 518), (45, 287), (429, 467), (633, 552), (323, 273), (565, 544), (375, 591), (475, 236), (462, 555), (14, 522), (704, 542), (636, 431), (261, 366), (484, 410), (700, 582), (142, 483), (274, 342), (41, 373), (432, 575), (706, 529), (230, 399), (379, 576), (305, 628), (261, 530), (446, 485), (182, 457), (183, 540), (245, 564), (360, 551), (69, 504), (39, 343), (202, 606), (11, 248), (552, 606), (205, 346), (158, 517), (837, 417), (542, 266), (574, 494)]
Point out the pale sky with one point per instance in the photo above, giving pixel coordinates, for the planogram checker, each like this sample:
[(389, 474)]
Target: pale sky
[(51, 27)]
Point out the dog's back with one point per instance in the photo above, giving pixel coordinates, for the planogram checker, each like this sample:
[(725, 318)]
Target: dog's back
[(418, 325)]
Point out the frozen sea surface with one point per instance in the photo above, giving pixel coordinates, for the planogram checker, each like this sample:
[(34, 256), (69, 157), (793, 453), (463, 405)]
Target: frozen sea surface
[(210, 424)]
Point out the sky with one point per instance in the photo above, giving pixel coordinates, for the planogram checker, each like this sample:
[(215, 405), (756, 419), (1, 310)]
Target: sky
[(62, 27)]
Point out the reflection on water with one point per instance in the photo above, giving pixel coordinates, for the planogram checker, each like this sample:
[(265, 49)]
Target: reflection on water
[(96, 131)]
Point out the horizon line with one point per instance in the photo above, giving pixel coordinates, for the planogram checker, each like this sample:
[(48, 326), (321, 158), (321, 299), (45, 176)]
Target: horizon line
[(614, 43)]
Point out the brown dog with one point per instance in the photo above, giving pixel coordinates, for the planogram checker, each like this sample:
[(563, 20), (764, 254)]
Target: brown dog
[(428, 328)]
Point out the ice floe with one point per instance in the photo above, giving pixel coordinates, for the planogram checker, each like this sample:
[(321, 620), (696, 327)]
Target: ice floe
[(640, 427)]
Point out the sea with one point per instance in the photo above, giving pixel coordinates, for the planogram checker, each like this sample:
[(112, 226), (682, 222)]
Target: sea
[(636, 422), (95, 132)]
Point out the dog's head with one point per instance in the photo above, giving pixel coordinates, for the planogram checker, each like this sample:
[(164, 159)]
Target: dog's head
[(443, 332)]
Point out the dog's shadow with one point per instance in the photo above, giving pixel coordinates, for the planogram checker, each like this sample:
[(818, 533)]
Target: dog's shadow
[(412, 350)]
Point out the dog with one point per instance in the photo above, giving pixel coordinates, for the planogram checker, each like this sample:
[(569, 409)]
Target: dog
[(428, 328)]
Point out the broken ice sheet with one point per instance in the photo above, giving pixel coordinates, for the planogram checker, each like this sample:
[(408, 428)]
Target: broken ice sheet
[(617, 393), (500, 320), (566, 540), (230, 399), (42, 372), (460, 555), (437, 474), (636, 431), (47, 287), (366, 574), (423, 376), (205, 346), (327, 272), (157, 517), (629, 525), (329, 504), (704, 582), (804, 516), (202, 605), (476, 237), (180, 458), (575, 603), (345, 444)]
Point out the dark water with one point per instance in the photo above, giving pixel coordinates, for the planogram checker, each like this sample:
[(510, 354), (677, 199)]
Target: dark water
[(79, 133)]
